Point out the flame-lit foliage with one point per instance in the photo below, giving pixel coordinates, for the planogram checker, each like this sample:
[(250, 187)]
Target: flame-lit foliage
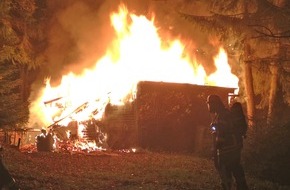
[(21, 42), (12, 109)]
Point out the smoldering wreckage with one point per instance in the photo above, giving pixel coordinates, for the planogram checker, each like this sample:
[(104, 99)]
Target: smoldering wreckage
[(162, 116)]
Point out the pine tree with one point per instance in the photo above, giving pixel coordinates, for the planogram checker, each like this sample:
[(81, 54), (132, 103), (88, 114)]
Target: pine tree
[(21, 47), (13, 110)]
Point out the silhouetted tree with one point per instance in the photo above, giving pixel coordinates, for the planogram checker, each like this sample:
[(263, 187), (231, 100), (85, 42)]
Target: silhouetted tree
[(22, 42), (280, 30), (254, 25)]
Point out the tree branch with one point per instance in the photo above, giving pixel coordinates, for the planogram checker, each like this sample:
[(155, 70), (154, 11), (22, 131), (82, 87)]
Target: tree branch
[(270, 33)]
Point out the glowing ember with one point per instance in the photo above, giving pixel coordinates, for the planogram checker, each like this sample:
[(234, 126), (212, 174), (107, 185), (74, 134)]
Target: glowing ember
[(137, 54)]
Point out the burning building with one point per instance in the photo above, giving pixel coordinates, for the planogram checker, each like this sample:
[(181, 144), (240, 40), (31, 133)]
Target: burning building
[(163, 116), (145, 92)]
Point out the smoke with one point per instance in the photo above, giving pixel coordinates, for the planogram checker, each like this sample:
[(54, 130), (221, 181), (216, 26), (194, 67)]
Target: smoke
[(196, 39), (78, 34)]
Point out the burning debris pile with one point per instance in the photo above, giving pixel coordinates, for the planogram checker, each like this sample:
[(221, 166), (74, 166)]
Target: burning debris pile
[(85, 135)]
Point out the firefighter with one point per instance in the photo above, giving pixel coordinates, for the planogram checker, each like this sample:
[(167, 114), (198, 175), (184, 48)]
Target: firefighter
[(226, 148)]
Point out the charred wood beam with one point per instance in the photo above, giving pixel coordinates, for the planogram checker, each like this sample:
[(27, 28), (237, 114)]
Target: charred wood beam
[(53, 100), (77, 110)]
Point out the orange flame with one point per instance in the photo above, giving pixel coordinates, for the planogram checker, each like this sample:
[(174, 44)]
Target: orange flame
[(223, 76), (137, 54)]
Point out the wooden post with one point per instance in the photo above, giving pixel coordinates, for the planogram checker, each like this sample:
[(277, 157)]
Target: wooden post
[(18, 144)]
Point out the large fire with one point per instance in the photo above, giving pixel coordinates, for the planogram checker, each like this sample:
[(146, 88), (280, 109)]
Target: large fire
[(137, 54)]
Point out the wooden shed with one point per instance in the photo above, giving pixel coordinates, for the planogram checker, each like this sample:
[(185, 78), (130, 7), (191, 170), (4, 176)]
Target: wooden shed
[(164, 116)]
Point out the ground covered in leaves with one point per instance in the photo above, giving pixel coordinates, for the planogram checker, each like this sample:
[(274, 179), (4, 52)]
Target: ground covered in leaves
[(116, 170)]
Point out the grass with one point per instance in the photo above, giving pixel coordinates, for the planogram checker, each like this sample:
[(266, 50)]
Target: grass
[(117, 170)]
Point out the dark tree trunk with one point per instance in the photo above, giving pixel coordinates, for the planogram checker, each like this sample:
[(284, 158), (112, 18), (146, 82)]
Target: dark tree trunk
[(249, 93), (273, 92), (274, 68)]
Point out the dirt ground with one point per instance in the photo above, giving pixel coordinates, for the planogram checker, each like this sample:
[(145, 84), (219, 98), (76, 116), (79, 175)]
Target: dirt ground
[(115, 170)]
